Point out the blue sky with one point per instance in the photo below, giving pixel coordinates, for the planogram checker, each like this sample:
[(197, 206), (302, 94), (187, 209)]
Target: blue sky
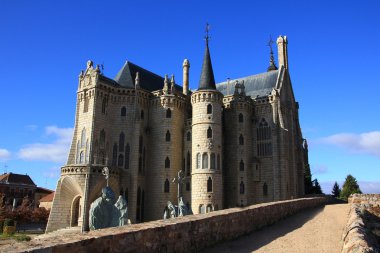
[(333, 62)]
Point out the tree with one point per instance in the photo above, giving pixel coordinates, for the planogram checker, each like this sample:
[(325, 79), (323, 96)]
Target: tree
[(350, 186), (316, 187), (307, 181), (336, 190)]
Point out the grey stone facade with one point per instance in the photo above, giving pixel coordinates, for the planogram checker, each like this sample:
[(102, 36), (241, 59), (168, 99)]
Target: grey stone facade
[(248, 149)]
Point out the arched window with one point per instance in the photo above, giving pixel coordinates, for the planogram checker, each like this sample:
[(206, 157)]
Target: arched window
[(167, 138), (114, 155), (123, 111), (142, 114), (241, 118), (198, 160), (140, 164), (167, 163), (81, 157), (102, 139), (212, 161), (121, 142), (209, 185), (265, 189), (188, 164), (209, 208), (83, 138), (120, 161), (104, 104), (202, 209), (85, 104), (241, 140), (127, 152), (168, 113), (204, 161), (209, 109), (218, 162), (242, 188), (241, 165), (209, 133), (188, 136), (264, 131), (166, 186)]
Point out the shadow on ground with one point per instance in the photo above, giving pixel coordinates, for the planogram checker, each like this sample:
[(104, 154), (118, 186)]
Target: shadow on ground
[(262, 237)]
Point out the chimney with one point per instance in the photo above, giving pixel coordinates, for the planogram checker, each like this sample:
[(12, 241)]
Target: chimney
[(282, 45), (186, 67)]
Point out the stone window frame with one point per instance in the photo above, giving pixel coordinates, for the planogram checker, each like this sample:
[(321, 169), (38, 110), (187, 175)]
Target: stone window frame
[(212, 161), (168, 113), (205, 160), (209, 184), (241, 118), (241, 165), (142, 114), (265, 189), (168, 136), (209, 109), (166, 186), (242, 187), (188, 136), (198, 160), (209, 132), (123, 111), (167, 163)]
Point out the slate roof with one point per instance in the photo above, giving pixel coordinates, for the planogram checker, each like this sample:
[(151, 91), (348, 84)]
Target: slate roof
[(12, 178), (207, 80), (259, 85)]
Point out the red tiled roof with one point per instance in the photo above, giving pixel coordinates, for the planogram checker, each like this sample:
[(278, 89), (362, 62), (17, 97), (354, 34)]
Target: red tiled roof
[(16, 179), (48, 198), (43, 190)]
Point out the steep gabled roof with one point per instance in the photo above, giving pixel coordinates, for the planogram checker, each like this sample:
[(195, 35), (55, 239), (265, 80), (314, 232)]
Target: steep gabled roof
[(148, 80), (12, 178), (259, 85)]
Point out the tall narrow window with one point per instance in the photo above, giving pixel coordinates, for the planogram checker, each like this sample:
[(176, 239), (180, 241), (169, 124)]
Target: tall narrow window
[(123, 111), (83, 138), (198, 160), (166, 186), (241, 118), (120, 161), (143, 157), (114, 155), (142, 114), (209, 133), (85, 104), (140, 144), (121, 142), (81, 157), (167, 138), (140, 164), (218, 162), (265, 189), (242, 188), (209, 185), (188, 164), (241, 165), (212, 161), (104, 104), (167, 163), (204, 161), (187, 186), (168, 113), (241, 140), (209, 109), (127, 152), (188, 136), (78, 152), (102, 139)]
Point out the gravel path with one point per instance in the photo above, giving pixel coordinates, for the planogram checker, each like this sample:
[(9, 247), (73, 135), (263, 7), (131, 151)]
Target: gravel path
[(316, 230)]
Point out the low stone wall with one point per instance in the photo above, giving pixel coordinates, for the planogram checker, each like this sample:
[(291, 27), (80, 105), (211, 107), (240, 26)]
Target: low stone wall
[(356, 235), (183, 234)]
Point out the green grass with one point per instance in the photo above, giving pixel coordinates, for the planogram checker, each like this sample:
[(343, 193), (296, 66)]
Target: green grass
[(17, 236)]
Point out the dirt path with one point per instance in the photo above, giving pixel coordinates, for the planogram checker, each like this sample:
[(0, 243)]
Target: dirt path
[(317, 230)]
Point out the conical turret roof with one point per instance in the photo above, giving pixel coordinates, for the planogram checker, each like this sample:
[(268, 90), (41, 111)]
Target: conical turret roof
[(207, 81)]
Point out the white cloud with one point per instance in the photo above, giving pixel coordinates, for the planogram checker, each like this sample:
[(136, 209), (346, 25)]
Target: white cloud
[(4, 154), (365, 143), (53, 152)]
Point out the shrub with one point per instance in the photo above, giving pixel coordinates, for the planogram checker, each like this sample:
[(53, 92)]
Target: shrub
[(21, 238), (9, 223)]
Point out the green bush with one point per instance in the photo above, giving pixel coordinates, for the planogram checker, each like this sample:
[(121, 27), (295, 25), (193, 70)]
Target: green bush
[(9, 222), (1, 226), (21, 238)]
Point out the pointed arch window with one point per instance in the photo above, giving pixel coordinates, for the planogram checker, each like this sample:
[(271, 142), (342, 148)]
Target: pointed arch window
[(241, 140), (142, 114), (127, 152), (140, 164), (209, 133), (242, 187), (209, 109), (167, 163), (198, 160), (114, 155), (241, 118), (81, 157), (188, 136), (168, 113), (167, 137), (104, 105), (209, 185), (123, 111), (241, 166), (204, 161), (120, 161), (265, 189), (121, 142), (166, 186), (212, 161)]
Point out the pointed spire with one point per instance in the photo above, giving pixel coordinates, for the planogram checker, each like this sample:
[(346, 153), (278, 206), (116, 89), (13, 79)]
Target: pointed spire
[(272, 64), (207, 81), (166, 85), (172, 83)]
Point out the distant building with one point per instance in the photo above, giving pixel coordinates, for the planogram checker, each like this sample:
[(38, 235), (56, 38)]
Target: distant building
[(17, 186), (237, 143), (47, 201)]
